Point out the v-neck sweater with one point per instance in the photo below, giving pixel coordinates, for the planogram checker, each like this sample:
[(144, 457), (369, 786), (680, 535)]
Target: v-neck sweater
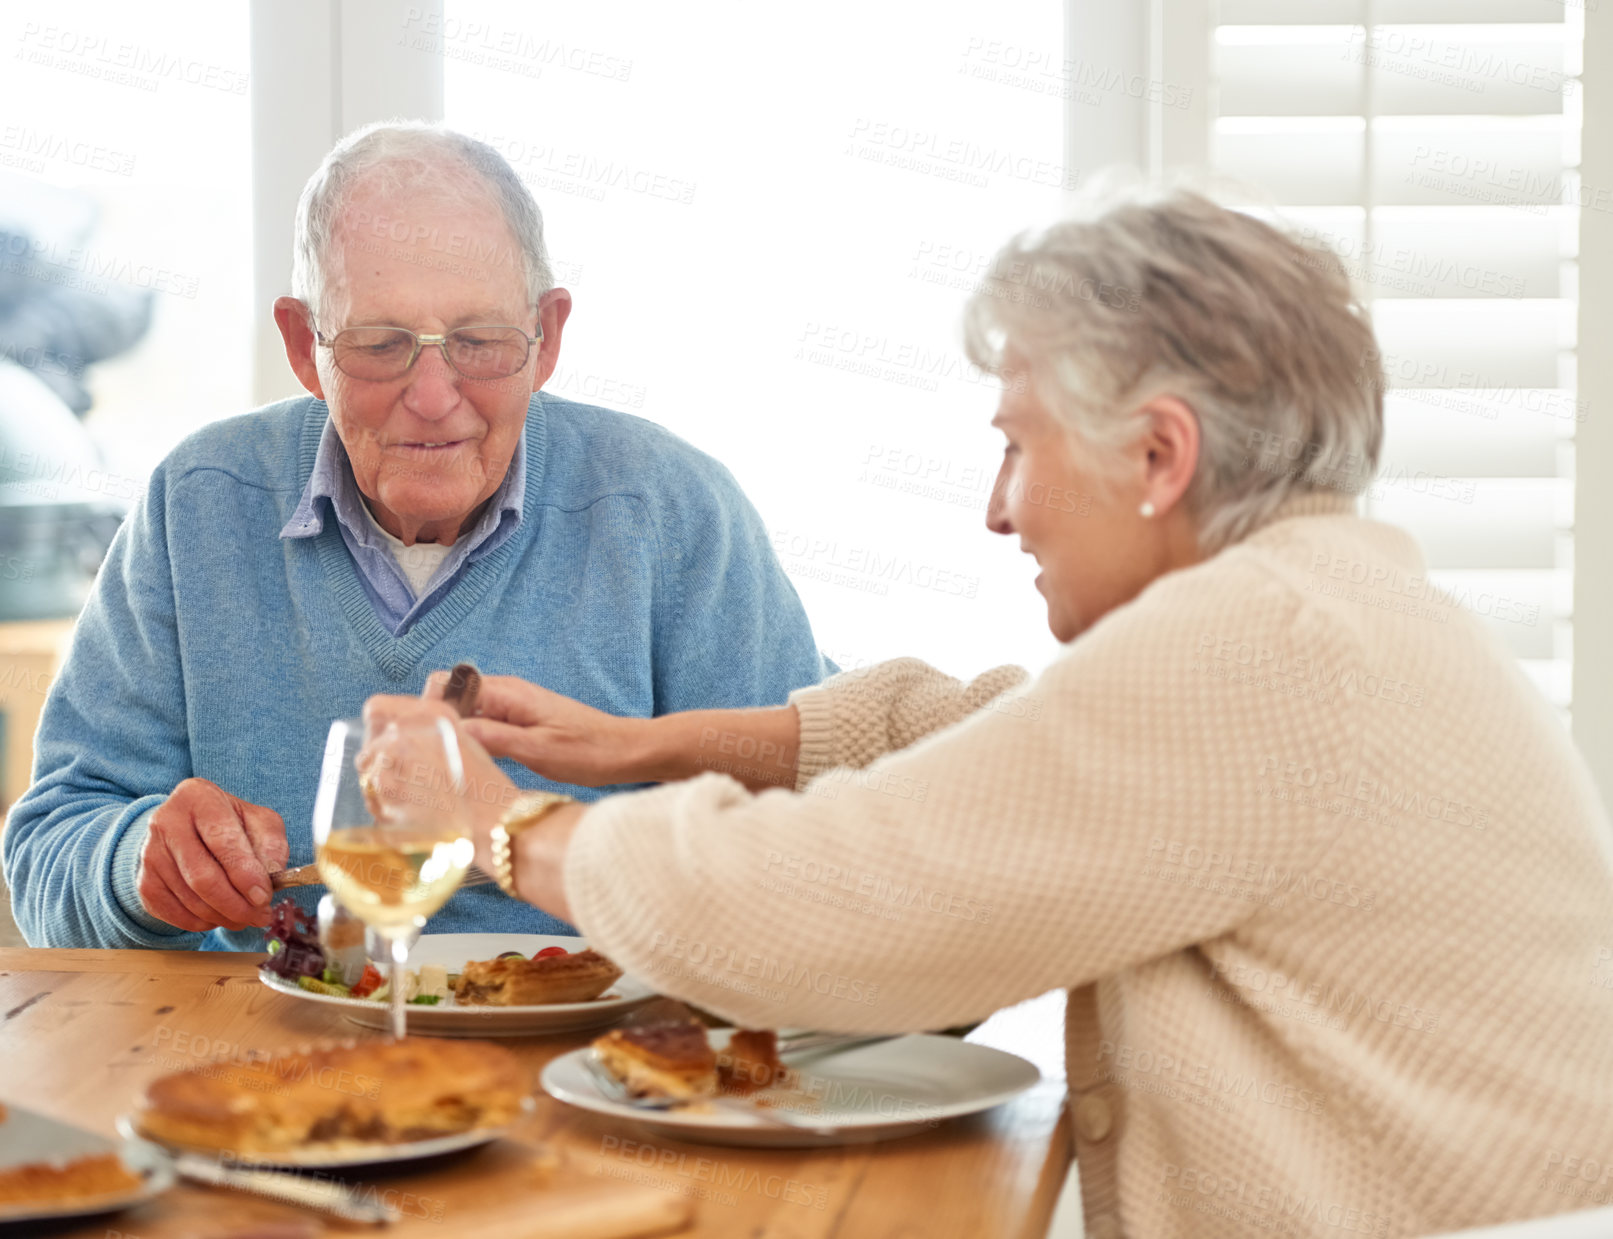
[(641, 581)]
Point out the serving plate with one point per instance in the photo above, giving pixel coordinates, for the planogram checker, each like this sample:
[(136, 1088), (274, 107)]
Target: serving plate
[(453, 952), (315, 1158), (27, 1136), (872, 1092)]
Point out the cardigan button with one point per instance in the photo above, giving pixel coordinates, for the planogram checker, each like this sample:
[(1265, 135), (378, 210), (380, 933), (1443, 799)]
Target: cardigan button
[(1094, 1119)]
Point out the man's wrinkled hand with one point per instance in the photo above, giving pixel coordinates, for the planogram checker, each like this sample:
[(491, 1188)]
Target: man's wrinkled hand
[(207, 859)]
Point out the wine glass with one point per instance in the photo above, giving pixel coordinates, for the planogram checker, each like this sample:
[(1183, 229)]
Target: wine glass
[(392, 836)]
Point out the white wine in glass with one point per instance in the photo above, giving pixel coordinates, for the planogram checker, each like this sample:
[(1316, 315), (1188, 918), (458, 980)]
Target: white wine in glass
[(392, 840), (389, 882)]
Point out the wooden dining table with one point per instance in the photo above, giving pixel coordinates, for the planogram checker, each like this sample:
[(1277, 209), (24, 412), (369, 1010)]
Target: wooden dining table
[(83, 1031)]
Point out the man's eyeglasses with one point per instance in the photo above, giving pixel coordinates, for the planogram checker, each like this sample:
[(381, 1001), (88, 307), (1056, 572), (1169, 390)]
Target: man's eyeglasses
[(382, 353)]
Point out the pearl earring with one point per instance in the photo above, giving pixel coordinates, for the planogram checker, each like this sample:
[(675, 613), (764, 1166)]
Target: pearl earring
[(1147, 510)]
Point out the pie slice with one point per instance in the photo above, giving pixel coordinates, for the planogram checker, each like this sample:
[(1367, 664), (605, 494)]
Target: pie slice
[(660, 1060), (516, 982), (368, 1092), (83, 1178)]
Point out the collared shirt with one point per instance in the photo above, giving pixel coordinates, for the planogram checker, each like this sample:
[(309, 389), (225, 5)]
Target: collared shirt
[(383, 579)]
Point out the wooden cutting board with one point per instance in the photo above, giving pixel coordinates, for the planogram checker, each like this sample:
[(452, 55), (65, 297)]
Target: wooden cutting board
[(510, 1189), (532, 1190)]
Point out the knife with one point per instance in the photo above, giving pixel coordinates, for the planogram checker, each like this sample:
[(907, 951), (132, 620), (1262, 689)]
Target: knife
[(324, 1195)]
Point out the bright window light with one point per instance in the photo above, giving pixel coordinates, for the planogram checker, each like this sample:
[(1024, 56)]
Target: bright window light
[(770, 233)]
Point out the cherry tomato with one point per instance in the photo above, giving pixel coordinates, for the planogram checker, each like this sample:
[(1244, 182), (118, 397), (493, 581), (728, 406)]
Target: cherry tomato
[(549, 952), (368, 983)]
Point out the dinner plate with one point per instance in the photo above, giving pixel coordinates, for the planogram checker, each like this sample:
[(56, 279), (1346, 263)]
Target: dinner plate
[(346, 1155), (26, 1136), (453, 952), (872, 1092)]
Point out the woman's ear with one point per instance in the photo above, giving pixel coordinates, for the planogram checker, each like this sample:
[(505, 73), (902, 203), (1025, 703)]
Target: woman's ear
[(1171, 446), (291, 316)]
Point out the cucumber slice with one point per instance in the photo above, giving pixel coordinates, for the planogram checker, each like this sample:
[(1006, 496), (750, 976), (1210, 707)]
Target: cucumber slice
[(316, 986)]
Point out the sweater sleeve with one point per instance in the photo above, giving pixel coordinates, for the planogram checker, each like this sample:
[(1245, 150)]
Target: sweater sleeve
[(112, 744), (995, 859), (860, 715)]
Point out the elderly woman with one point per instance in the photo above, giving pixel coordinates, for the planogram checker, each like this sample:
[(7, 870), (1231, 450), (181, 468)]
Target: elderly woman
[(1327, 882)]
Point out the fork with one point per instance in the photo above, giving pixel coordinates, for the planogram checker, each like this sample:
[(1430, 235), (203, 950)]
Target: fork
[(308, 875), (823, 1044), (613, 1089)]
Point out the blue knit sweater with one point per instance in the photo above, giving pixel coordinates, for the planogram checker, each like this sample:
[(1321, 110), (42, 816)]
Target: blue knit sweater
[(640, 581)]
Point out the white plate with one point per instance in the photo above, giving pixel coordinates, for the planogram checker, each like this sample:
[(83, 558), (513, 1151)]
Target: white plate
[(873, 1092), (29, 1137), (347, 1155), (453, 952)]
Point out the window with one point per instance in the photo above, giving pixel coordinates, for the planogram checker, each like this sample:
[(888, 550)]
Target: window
[(770, 240), (1434, 144), (125, 160)]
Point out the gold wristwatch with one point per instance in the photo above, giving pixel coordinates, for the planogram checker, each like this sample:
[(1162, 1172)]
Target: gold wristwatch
[(525, 812)]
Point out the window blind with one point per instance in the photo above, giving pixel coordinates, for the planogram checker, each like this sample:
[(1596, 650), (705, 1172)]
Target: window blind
[(1434, 145)]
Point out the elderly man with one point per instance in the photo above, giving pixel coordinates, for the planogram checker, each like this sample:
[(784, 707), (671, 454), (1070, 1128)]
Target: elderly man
[(425, 504)]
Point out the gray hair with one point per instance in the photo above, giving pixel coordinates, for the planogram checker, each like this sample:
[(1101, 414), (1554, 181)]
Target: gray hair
[(401, 156), (1259, 333)]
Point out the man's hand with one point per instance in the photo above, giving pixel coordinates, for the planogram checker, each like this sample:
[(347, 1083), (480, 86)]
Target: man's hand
[(208, 857)]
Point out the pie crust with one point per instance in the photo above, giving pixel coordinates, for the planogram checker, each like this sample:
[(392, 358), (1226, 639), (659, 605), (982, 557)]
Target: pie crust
[(331, 1097), (514, 982), (83, 1178), (660, 1060)]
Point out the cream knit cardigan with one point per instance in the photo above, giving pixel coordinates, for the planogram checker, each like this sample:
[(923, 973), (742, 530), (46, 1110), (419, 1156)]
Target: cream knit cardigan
[(1327, 880)]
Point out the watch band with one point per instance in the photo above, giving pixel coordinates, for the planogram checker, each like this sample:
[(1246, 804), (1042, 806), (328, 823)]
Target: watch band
[(525, 812)]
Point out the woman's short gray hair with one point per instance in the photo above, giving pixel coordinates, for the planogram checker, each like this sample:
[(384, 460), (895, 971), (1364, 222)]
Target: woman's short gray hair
[(1259, 333), (408, 156)]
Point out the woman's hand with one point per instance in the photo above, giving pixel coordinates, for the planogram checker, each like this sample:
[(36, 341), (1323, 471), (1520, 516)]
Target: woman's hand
[(393, 768), (387, 758), (568, 742), (555, 736)]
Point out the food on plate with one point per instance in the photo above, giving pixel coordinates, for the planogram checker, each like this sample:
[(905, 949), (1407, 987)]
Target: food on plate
[(82, 1178), (663, 1051), (368, 982), (515, 981), (341, 938), (660, 1058), (356, 1093), (334, 964), (750, 1061), (294, 949)]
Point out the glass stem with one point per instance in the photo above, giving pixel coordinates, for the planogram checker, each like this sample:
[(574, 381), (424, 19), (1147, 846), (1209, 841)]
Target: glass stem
[(400, 957)]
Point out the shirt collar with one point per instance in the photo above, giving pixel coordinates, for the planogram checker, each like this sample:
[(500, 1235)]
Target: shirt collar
[(332, 480)]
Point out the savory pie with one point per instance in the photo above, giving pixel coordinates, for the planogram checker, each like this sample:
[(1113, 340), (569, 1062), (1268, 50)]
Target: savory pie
[(517, 982), (660, 1060), (83, 1178), (368, 1092)]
